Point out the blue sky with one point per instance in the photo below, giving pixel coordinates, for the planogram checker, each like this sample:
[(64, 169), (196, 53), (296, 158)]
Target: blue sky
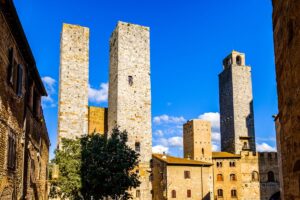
[(189, 39)]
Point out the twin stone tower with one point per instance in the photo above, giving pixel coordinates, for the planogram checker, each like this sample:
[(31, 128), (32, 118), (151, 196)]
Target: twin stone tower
[(129, 99)]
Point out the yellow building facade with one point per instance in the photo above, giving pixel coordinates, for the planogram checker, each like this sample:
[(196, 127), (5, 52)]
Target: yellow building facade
[(97, 120), (181, 178)]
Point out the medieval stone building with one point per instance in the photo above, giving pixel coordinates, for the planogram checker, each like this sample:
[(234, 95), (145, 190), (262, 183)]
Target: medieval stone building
[(238, 172), (129, 100), (73, 82), (236, 105), (286, 27), (24, 142)]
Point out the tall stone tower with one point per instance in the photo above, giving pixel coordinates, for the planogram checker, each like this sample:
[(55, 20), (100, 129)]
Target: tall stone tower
[(73, 84), (197, 140), (129, 100), (236, 105)]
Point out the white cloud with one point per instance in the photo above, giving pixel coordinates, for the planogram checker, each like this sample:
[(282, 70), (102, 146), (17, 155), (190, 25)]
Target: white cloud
[(214, 119), (50, 84), (216, 137), (264, 147), (175, 141), (159, 133), (215, 147), (160, 149), (98, 95), (168, 119)]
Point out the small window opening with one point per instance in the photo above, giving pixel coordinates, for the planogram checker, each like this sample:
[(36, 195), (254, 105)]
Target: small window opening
[(137, 147), (130, 80), (238, 60)]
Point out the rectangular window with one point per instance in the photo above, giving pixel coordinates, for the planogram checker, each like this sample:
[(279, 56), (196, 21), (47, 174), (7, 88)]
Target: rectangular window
[(233, 193), (138, 193), (130, 80), (20, 81), (36, 104), (137, 147), (10, 68), (189, 193), (11, 150), (187, 174)]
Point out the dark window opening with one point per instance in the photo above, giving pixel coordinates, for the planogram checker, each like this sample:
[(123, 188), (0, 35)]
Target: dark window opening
[(238, 60), (232, 177), (130, 80), (187, 174), (220, 193), (202, 151), (271, 177), (173, 193), (137, 147), (11, 151), (20, 81), (189, 193), (10, 68), (233, 193), (36, 104)]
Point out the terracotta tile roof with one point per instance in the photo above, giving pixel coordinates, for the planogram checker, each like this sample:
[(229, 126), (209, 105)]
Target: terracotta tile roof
[(225, 155), (170, 160)]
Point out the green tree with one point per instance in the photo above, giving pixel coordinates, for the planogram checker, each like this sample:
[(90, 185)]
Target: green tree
[(68, 184), (108, 166)]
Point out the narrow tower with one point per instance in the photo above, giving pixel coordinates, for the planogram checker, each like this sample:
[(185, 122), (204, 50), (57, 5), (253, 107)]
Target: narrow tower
[(236, 105), (197, 140), (73, 84), (129, 97)]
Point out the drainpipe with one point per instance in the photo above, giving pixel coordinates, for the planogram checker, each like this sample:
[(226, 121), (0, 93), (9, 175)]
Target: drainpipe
[(201, 183)]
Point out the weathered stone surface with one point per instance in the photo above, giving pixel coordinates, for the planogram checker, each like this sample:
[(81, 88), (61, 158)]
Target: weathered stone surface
[(197, 140), (73, 84), (129, 101), (20, 116), (236, 105), (286, 27)]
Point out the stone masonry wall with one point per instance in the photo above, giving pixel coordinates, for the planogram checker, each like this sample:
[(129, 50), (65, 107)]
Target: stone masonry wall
[(286, 27), (197, 140), (73, 84), (236, 103), (130, 93)]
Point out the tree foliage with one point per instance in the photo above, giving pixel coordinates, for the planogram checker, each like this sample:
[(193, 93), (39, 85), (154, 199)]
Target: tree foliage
[(108, 166), (96, 167), (68, 184)]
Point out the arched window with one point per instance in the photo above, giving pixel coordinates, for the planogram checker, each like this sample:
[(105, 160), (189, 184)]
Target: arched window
[(255, 176), (220, 193), (245, 146), (238, 60), (233, 193), (271, 177), (219, 177), (218, 164), (202, 151), (232, 177), (173, 193)]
